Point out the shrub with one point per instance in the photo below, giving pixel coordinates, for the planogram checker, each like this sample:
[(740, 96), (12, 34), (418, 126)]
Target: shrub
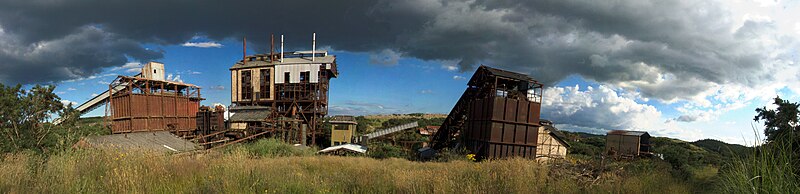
[(273, 148), (382, 150)]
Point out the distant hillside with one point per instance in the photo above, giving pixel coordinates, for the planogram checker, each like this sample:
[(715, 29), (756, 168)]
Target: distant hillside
[(675, 151), (403, 116), (722, 148)]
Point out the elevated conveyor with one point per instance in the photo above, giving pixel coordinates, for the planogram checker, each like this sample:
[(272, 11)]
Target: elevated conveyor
[(96, 101), (454, 121), (384, 132)]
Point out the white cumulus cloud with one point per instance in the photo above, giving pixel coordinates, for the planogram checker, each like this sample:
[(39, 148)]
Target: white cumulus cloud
[(202, 44)]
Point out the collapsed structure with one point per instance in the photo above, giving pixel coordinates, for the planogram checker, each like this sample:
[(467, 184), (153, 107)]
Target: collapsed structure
[(496, 117)]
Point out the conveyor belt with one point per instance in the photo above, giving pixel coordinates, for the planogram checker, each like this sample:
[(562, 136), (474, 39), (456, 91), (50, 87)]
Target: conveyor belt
[(454, 120), (96, 101), (391, 130)]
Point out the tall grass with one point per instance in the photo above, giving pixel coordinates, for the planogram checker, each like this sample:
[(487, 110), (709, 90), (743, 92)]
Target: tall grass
[(248, 169), (770, 169), (272, 148)]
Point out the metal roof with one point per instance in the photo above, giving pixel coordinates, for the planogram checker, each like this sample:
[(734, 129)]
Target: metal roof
[(507, 74), (630, 133), (350, 147), (557, 134), (154, 141), (286, 61), (249, 113), (325, 52), (346, 119)]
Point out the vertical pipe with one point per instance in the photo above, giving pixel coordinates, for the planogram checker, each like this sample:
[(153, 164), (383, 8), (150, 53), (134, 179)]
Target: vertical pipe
[(313, 46), (244, 50), (109, 110), (271, 47), (281, 48), (303, 133)]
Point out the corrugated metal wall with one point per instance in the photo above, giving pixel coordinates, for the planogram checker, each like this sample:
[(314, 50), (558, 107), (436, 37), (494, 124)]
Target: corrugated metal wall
[(139, 112), (500, 127), (622, 144)]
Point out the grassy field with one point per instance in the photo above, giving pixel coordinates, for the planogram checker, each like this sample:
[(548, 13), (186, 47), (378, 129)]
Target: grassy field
[(272, 168)]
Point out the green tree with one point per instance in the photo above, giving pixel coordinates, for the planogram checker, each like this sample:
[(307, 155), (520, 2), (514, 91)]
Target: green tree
[(781, 123), (25, 115)]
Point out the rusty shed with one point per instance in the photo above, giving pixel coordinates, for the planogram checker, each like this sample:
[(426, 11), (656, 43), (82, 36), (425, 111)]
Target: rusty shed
[(150, 103), (627, 143), (496, 117)]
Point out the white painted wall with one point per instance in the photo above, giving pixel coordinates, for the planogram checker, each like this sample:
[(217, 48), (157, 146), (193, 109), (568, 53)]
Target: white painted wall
[(294, 72)]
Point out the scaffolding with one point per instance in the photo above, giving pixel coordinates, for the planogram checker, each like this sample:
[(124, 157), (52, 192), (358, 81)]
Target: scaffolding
[(290, 94)]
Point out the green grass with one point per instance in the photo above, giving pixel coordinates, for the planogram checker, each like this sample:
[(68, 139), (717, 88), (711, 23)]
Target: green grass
[(250, 168), (272, 148), (769, 169)]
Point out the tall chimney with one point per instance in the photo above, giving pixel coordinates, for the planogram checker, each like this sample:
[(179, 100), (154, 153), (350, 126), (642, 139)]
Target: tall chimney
[(281, 48), (313, 46)]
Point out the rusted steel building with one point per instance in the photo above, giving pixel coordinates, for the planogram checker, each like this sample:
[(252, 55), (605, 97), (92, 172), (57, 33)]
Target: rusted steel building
[(284, 93), (627, 143), (147, 102), (496, 117)]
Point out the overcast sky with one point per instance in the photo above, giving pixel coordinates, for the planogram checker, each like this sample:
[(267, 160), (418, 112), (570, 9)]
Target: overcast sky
[(684, 69)]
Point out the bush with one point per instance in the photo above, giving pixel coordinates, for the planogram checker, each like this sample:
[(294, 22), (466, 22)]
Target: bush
[(580, 148), (382, 150), (273, 148)]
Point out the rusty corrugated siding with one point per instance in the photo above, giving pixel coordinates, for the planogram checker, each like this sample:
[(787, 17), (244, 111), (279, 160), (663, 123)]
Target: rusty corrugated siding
[(500, 127)]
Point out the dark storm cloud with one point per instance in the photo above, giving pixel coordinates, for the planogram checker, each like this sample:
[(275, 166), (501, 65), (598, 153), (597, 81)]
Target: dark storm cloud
[(634, 43), (80, 54)]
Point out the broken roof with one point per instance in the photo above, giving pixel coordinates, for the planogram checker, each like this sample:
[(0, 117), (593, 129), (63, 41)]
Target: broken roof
[(557, 134), (348, 147), (507, 74)]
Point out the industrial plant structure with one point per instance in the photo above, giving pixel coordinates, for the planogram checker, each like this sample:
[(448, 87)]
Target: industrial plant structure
[(148, 102), (496, 117), (283, 93)]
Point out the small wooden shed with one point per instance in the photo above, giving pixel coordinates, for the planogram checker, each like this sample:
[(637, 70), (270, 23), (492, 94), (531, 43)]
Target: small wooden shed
[(551, 143), (627, 143), (343, 129)]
